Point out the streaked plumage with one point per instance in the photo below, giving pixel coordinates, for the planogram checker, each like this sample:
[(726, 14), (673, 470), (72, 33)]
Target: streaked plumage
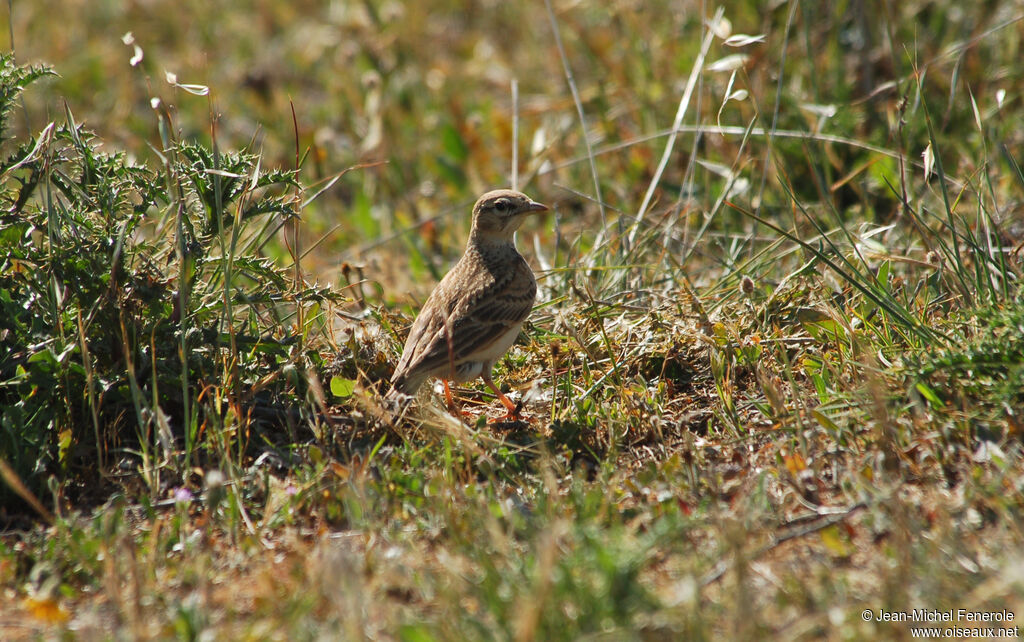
[(475, 313)]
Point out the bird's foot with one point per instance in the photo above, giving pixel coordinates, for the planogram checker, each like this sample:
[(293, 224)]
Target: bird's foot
[(513, 416)]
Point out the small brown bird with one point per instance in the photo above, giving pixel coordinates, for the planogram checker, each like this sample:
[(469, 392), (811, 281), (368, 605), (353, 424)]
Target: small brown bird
[(475, 313)]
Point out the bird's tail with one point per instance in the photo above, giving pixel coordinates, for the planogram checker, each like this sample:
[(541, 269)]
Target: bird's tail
[(403, 388), (404, 384)]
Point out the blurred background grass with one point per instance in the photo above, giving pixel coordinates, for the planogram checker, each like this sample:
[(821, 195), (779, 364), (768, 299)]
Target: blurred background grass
[(426, 88)]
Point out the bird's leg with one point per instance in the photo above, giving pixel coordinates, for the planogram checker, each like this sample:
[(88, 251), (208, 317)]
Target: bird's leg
[(513, 409), (448, 397), (453, 407)]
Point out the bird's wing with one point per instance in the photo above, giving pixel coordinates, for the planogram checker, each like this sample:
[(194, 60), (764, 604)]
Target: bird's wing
[(476, 316)]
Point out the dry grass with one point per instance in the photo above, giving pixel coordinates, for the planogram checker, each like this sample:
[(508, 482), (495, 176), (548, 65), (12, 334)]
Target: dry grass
[(786, 392)]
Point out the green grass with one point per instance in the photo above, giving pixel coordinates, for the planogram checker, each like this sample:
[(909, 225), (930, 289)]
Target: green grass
[(787, 391)]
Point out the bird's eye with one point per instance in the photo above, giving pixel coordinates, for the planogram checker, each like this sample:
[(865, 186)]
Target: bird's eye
[(501, 204)]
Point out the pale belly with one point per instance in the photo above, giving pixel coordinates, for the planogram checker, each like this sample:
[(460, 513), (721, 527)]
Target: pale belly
[(474, 367)]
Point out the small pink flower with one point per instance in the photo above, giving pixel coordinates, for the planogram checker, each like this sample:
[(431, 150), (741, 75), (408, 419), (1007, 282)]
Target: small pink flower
[(182, 495)]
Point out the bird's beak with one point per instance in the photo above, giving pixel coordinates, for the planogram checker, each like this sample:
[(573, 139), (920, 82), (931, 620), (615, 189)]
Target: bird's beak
[(534, 206)]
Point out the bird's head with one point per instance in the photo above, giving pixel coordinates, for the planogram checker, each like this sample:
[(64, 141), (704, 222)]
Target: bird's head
[(498, 214)]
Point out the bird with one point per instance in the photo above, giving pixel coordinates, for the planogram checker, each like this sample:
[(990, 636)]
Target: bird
[(473, 316)]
